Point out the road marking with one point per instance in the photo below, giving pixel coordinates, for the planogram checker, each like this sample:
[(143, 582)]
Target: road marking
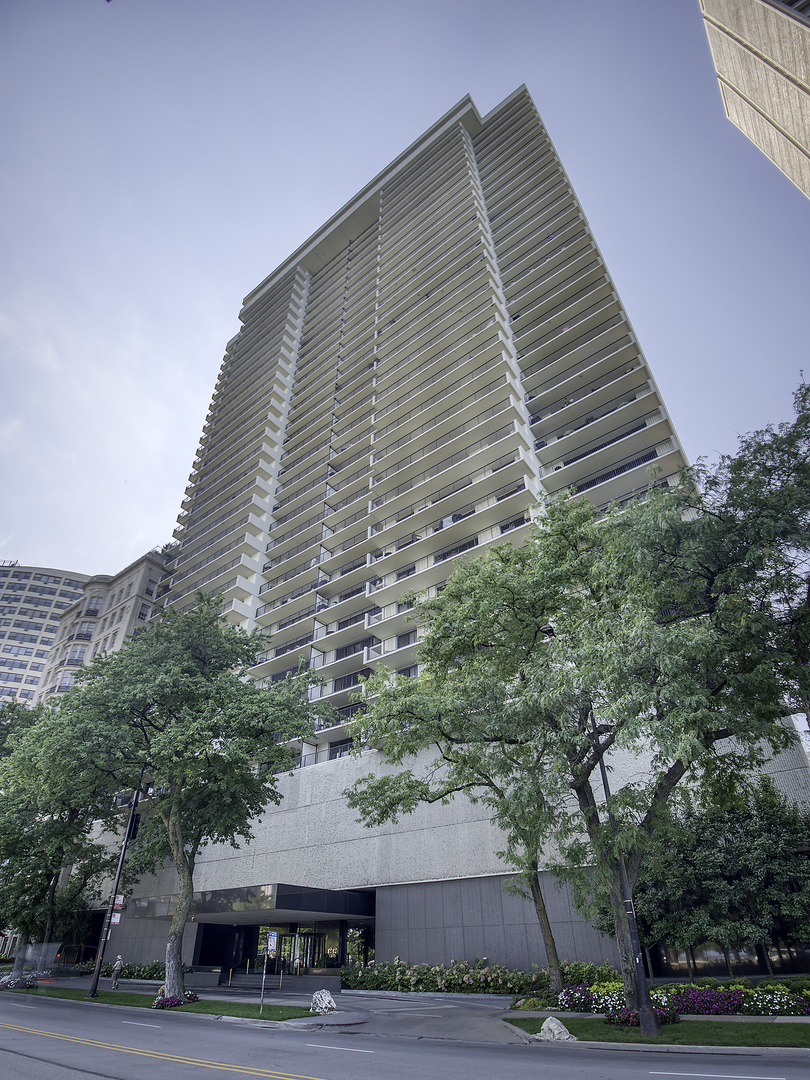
[(225, 1066), (16, 1006), (724, 1076), (135, 1023), (353, 1049)]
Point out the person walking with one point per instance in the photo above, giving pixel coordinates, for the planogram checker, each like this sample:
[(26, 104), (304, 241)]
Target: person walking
[(118, 967)]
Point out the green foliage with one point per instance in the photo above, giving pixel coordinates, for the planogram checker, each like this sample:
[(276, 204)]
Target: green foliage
[(156, 969), (460, 978), (51, 798), (176, 711), (677, 626), (734, 874)]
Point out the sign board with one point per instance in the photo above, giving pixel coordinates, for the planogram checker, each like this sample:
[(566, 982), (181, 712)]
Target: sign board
[(118, 903), (115, 919)]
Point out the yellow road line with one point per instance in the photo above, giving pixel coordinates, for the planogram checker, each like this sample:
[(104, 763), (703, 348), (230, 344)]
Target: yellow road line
[(163, 1057)]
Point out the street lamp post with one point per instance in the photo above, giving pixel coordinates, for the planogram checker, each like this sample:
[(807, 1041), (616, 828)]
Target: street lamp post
[(105, 930), (648, 1021)]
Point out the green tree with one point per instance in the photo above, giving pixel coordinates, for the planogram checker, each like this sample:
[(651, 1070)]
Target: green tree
[(51, 799), (736, 874), (652, 621), (176, 705)]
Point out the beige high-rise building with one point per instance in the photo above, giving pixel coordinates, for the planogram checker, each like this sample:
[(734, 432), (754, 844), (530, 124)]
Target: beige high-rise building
[(761, 51), (105, 613), (406, 388), (448, 349)]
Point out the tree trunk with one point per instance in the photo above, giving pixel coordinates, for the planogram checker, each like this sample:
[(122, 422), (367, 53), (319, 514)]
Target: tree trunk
[(626, 955), (51, 910), (184, 863), (766, 953), (554, 973), (690, 963), (174, 943), (728, 960), (19, 959)]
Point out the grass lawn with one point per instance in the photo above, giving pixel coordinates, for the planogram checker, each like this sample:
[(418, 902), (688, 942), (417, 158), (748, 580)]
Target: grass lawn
[(144, 1001), (686, 1033)]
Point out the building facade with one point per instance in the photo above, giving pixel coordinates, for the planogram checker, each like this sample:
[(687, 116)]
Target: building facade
[(107, 611), (32, 601), (761, 51), (406, 388)]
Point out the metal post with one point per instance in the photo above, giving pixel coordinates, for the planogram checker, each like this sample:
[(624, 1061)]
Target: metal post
[(264, 973), (648, 1021), (105, 930)]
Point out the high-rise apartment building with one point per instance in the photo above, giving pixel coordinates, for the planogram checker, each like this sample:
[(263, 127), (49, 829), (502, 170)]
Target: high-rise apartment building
[(446, 350), (406, 387), (107, 610), (32, 600), (761, 52)]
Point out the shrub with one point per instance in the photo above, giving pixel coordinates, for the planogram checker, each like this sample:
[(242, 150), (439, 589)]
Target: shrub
[(156, 969), (461, 977), (577, 973)]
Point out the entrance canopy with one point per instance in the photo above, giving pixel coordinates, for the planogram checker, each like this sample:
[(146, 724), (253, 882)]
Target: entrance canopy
[(264, 904)]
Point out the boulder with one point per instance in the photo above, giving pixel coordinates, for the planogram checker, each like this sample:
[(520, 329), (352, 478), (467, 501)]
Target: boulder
[(322, 1002), (555, 1031)]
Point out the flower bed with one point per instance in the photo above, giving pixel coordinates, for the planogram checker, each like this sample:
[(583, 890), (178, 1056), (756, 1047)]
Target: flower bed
[(689, 1000)]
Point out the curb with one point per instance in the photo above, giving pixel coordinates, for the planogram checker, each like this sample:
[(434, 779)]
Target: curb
[(301, 1023), (659, 1048)]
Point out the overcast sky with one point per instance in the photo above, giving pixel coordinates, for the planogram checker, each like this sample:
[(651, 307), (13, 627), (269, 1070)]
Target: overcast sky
[(161, 157)]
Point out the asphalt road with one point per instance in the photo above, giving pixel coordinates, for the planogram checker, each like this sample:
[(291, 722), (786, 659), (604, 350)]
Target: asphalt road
[(62, 1040)]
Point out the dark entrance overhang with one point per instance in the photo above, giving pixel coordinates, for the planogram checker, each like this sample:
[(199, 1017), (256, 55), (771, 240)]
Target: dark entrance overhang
[(264, 904)]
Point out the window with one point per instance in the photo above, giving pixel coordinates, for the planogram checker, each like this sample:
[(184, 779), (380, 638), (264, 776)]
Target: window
[(129, 590), (151, 588), (406, 639), (20, 576), (32, 681), (120, 615), (36, 667), (71, 584), (112, 639), (42, 654), (48, 579), (93, 606), (143, 614)]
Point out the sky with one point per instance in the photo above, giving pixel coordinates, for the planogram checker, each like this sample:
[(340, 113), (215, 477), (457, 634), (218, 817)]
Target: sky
[(161, 157)]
